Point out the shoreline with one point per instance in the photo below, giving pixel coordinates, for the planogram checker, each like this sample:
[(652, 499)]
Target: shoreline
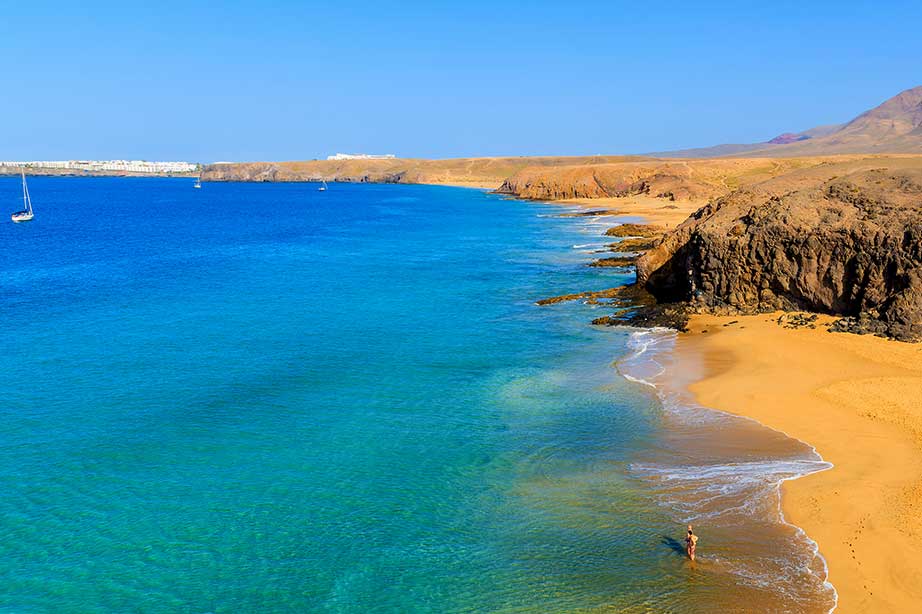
[(653, 211), (667, 215), (857, 401), (744, 463)]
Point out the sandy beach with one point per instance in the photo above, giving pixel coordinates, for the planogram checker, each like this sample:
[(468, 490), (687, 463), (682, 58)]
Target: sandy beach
[(858, 401), (656, 211)]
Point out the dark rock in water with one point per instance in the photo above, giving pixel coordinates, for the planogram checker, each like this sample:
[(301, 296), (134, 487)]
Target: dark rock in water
[(849, 246), (649, 315), (633, 244), (614, 261), (592, 297), (591, 213), (635, 230), (633, 306)]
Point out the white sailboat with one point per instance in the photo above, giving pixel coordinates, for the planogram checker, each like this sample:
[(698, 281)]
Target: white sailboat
[(323, 188), (198, 183), (26, 214)]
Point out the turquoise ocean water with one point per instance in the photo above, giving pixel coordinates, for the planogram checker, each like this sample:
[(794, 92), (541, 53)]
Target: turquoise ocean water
[(265, 398)]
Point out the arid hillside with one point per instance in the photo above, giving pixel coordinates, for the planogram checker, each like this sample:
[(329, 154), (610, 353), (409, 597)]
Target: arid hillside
[(693, 181), (894, 126), (481, 172)]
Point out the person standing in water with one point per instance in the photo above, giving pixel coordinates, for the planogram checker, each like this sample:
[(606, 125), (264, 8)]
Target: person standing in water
[(691, 540)]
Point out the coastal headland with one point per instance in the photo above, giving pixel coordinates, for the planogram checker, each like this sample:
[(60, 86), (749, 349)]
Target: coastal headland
[(741, 276), (469, 172)]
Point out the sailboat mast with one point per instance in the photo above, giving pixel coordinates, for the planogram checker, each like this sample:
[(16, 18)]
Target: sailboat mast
[(26, 201)]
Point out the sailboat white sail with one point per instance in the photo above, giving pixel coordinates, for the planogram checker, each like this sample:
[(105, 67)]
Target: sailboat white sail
[(26, 214), (198, 182), (323, 188)]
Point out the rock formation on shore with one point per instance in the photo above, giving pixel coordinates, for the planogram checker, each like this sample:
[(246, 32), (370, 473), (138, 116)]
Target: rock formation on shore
[(847, 245)]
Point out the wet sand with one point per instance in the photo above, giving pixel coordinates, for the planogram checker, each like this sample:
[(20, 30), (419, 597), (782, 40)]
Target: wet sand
[(858, 400)]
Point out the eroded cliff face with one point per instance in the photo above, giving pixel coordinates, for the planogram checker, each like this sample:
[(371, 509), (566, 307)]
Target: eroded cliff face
[(850, 245), (670, 181)]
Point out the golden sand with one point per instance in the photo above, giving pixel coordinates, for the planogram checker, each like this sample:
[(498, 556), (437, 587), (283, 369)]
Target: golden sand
[(858, 400), (656, 211)]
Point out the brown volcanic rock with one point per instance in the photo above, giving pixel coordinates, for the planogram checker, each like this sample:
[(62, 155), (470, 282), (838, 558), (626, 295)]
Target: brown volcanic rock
[(635, 230), (849, 245), (613, 261)]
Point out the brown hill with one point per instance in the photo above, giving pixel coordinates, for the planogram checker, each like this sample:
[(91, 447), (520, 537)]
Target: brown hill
[(892, 127), (895, 126), (788, 137)]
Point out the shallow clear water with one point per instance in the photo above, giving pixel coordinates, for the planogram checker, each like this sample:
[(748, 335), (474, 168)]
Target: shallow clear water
[(261, 397)]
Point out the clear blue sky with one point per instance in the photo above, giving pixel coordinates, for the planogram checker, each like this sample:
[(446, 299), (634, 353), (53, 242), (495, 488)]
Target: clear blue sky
[(298, 80)]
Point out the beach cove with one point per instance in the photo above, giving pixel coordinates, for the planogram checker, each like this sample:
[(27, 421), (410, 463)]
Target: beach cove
[(858, 400), (342, 401), (855, 399)]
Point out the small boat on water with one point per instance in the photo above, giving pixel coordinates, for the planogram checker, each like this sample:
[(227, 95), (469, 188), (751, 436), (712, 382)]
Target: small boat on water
[(26, 214), (323, 188), (198, 183)]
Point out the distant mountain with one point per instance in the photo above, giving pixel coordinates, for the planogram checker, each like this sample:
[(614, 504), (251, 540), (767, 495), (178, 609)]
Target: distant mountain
[(788, 137), (893, 127)]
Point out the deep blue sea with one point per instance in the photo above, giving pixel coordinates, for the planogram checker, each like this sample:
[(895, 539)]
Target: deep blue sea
[(266, 398)]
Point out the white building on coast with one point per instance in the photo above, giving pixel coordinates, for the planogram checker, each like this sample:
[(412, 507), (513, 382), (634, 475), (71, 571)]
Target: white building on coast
[(114, 166)]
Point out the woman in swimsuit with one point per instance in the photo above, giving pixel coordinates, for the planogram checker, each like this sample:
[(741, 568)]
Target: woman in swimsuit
[(691, 540)]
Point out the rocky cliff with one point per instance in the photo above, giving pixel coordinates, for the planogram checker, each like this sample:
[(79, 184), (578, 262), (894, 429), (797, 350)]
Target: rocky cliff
[(841, 244)]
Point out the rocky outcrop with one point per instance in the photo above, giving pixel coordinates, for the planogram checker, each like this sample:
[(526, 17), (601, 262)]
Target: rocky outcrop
[(614, 262), (849, 245), (635, 230)]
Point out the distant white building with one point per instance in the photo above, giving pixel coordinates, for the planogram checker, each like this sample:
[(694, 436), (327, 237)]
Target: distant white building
[(115, 166), (342, 156)]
